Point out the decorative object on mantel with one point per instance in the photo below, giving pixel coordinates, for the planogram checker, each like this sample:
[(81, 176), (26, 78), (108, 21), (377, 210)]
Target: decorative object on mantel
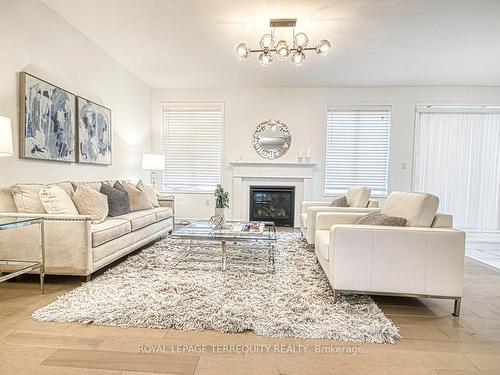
[(271, 139), (94, 132), (304, 156), (282, 49), (47, 121), (153, 162), (6, 144), (221, 202)]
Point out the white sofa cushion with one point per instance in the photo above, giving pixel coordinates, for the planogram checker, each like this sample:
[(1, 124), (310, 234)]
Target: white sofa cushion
[(358, 197), (56, 201), (108, 230), (27, 198), (163, 213), (6, 200), (419, 209), (139, 219)]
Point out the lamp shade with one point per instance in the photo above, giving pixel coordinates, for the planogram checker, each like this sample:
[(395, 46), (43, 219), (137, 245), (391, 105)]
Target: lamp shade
[(154, 162), (6, 145)]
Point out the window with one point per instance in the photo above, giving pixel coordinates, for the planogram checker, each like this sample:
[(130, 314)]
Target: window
[(192, 145), (357, 149), (457, 158)]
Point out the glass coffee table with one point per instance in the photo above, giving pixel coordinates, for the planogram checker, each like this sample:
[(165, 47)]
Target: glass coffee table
[(10, 268), (253, 242)]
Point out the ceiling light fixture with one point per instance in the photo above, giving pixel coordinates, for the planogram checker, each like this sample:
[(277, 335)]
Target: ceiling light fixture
[(282, 49)]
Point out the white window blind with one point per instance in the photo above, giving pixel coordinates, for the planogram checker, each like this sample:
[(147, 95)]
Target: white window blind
[(357, 149), (457, 158), (192, 145)]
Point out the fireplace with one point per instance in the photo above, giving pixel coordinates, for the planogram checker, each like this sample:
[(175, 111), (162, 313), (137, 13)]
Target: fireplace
[(272, 203)]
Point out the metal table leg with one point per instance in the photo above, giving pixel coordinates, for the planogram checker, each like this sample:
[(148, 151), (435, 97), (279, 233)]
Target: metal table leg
[(223, 254)]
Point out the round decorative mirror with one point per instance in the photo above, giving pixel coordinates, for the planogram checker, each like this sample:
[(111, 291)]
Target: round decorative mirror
[(271, 139)]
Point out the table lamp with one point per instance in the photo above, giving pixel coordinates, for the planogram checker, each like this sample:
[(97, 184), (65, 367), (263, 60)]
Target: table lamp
[(153, 162), (6, 144)]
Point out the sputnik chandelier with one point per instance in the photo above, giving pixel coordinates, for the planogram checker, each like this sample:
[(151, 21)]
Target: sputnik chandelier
[(283, 50)]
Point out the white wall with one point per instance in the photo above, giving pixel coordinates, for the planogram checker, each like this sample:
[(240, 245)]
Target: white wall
[(35, 39), (304, 111)]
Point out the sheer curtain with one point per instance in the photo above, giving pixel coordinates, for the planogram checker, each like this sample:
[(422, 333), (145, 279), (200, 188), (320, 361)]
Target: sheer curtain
[(457, 157)]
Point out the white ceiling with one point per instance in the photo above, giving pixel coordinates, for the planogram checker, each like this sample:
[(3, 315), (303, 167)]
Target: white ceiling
[(190, 43)]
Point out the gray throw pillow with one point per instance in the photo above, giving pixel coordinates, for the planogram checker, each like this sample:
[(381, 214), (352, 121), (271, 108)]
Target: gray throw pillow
[(339, 202), (117, 200), (376, 218)]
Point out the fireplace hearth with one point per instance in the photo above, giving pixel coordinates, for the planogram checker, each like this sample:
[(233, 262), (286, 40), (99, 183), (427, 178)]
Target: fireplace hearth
[(272, 203)]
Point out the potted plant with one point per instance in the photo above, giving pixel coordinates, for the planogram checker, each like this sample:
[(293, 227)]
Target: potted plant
[(221, 201)]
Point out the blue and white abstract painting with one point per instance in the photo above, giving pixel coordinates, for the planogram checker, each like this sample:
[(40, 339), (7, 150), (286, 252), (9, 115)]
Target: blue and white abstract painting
[(94, 132), (48, 121)]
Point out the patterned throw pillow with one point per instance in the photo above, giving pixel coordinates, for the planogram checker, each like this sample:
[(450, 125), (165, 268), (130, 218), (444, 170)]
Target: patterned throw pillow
[(118, 202), (90, 202), (138, 199), (339, 202), (150, 191), (376, 218)]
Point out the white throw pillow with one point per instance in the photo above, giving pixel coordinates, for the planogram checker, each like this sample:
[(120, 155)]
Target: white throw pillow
[(151, 193), (27, 198), (56, 201)]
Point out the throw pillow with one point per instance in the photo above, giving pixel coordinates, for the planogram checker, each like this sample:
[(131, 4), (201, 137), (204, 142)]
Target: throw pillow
[(138, 199), (56, 201), (27, 198), (339, 202), (151, 192), (91, 202), (118, 203), (376, 218)]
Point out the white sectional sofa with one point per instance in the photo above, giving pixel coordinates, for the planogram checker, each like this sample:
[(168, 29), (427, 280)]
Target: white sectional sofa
[(75, 246), (424, 258)]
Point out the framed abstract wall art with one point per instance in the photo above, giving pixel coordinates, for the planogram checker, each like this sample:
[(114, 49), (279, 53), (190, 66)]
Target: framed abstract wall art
[(47, 121), (94, 133)]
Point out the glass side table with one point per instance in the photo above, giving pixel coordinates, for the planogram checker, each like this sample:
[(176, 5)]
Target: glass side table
[(10, 268)]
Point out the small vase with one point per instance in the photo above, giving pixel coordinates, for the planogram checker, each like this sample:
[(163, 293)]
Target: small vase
[(218, 220)]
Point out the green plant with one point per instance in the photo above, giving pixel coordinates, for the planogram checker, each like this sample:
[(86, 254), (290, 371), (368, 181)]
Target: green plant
[(221, 197)]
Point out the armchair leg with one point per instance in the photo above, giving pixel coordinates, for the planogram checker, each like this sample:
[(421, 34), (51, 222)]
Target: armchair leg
[(458, 305), (335, 296)]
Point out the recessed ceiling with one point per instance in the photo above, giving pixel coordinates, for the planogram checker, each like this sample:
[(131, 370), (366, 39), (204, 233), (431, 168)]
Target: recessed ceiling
[(190, 43)]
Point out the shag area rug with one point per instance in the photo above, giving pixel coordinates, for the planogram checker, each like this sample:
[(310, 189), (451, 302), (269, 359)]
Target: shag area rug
[(149, 290)]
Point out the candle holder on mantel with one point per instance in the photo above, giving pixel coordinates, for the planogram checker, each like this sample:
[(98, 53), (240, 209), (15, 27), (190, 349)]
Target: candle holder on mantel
[(301, 156), (307, 155)]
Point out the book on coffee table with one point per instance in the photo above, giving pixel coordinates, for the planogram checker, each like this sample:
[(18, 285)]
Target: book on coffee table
[(252, 227)]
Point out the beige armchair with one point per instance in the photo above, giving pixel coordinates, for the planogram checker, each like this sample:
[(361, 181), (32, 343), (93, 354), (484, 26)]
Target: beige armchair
[(425, 258)]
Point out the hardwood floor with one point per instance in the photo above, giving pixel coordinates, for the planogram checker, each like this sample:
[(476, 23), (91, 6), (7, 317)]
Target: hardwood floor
[(433, 341)]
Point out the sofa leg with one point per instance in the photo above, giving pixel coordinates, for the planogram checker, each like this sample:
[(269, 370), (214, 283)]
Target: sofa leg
[(457, 307), (86, 279)]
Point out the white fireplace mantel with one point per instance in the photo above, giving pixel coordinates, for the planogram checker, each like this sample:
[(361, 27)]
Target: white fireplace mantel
[(246, 174)]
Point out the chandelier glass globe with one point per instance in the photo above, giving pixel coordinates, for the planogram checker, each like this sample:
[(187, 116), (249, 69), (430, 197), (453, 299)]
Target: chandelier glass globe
[(301, 40), (323, 47), (266, 42), (282, 50), (298, 58), (243, 51), (265, 58)]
